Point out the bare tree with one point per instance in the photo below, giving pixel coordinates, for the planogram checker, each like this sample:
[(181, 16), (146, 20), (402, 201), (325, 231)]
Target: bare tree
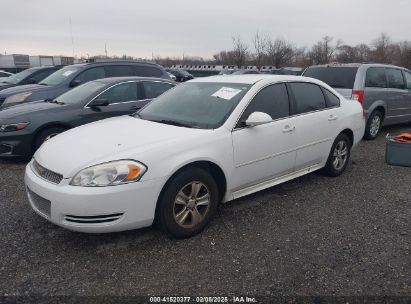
[(323, 51), (240, 51), (279, 51), (260, 46), (382, 51)]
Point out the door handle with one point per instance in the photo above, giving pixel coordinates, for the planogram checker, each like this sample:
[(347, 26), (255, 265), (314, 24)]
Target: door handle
[(288, 129), (332, 117)]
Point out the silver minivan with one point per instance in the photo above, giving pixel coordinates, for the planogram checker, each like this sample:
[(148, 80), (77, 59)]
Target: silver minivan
[(383, 90)]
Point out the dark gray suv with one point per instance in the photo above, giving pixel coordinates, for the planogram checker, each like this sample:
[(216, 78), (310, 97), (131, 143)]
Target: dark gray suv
[(383, 90), (73, 75)]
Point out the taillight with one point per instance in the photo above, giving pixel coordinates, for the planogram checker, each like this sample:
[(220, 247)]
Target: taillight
[(357, 95)]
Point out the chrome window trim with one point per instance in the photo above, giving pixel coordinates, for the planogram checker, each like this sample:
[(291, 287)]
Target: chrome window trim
[(287, 117), (128, 81)]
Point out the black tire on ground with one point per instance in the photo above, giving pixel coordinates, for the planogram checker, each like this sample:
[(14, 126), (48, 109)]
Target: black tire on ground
[(173, 207), (369, 133), (44, 135), (337, 161)]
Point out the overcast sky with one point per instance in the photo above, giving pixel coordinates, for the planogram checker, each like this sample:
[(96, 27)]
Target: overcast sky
[(193, 27)]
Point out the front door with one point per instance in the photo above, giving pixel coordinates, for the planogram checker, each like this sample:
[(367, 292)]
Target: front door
[(266, 151)]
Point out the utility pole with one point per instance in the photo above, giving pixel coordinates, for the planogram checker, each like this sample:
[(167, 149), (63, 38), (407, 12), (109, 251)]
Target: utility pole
[(71, 35), (105, 49)]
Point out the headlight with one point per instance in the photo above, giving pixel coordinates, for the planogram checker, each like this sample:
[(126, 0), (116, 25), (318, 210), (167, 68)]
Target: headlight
[(13, 127), (110, 174), (17, 98)]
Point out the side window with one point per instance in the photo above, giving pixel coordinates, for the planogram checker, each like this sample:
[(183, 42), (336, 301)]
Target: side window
[(395, 79), (147, 71), (118, 70), (330, 99), (41, 75), (91, 74), (308, 97), (154, 89), (375, 78), (121, 93), (408, 79), (272, 100)]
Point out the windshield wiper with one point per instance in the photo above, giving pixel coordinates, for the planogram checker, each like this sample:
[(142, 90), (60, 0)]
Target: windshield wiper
[(54, 101), (173, 123)]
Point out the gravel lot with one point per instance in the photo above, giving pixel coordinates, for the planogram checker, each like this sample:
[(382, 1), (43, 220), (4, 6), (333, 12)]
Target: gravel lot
[(315, 235)]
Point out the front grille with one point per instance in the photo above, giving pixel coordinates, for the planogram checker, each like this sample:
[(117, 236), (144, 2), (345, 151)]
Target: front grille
[(46, 174), (95, 219), (5, 149), (40, 203)]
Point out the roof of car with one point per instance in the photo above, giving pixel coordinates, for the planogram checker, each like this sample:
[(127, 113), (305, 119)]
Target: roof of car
[(355, 65), (250, 78), (131, 78)]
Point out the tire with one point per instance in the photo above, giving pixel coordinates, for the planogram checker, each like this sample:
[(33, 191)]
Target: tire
[(177, 214), (373, 126), (335, 167), (46, 135)]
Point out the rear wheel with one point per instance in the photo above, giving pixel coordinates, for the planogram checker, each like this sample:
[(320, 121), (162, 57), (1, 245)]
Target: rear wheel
[(188, 203), (339, 156), (45, 135), (373, 125)]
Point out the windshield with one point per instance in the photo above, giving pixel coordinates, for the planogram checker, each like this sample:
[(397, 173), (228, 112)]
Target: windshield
[(81, 93), (59, 76), (335, 77), (196, 104), (16, 78)]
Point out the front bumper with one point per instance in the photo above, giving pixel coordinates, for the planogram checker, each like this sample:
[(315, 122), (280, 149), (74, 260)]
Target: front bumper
[(12, 145), (93, 209)]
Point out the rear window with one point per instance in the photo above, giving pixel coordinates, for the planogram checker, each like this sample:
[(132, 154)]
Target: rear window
[(147, 71), (335, 77)]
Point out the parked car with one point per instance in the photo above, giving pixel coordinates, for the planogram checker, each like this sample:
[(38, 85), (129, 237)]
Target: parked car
[(286, 71), (383, 90), (4, 74), (29, 76), (181, 75), (205, 141), (245, 72), (24, 127), (174, 78), (227, 71), (76, 74)]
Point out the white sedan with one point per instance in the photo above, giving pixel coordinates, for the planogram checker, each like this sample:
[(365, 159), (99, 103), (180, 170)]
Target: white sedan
[(207, 141)]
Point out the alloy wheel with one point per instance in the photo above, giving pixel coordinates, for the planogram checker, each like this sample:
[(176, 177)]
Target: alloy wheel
[(375, 125), (191, 204), (340, 155)]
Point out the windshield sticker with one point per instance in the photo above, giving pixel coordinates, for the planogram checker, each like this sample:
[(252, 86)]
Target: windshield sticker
[(226, 93), (68, 73)]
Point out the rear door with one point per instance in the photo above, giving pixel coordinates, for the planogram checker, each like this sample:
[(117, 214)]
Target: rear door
[(316, 121)]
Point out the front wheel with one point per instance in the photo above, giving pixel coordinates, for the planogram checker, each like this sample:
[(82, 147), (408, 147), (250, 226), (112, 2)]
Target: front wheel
[(188, 203), (339, 156), (45, 135)]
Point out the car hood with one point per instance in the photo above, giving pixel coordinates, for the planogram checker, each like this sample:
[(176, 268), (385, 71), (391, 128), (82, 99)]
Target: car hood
[(111, 139), (22, 89), (24, 111)]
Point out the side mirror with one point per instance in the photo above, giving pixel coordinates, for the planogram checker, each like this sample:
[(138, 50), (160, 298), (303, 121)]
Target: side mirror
[(258, 118), (75, 83), (31, 81), (99, 102)]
